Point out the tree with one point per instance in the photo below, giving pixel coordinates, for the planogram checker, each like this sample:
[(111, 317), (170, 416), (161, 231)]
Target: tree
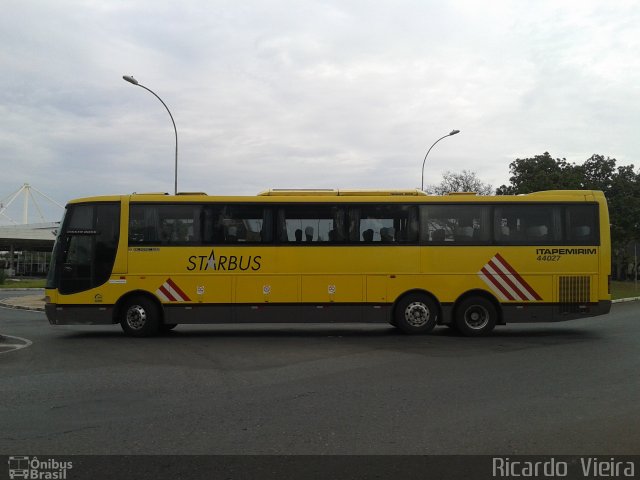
[(466, 181), (541, 172), (621, 186), (623, 198)]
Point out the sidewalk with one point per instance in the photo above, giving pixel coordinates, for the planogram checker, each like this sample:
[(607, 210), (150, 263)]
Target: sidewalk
[(26, 302)]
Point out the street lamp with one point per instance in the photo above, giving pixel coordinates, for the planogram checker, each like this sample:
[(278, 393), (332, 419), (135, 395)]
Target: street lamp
[(133, 81), (453, 132)]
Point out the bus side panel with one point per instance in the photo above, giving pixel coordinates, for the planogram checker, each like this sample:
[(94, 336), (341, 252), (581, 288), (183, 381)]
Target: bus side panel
[(332, 288), (267, 289)]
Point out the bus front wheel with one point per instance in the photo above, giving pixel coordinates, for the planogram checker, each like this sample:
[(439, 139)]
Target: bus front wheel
[(475, 316), (140, 317), (416, 313)]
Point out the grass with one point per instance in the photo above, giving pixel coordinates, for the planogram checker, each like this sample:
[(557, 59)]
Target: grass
[(624, 289), (618, 289), (30, 283)]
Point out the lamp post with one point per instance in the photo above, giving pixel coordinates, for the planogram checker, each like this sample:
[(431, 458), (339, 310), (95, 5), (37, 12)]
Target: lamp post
[(453, 132), (133, 81)]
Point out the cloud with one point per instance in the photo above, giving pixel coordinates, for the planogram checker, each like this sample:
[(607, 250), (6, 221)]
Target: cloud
[(303, 94)]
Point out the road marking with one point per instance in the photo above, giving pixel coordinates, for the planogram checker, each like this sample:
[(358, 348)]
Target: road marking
[(15, 346)]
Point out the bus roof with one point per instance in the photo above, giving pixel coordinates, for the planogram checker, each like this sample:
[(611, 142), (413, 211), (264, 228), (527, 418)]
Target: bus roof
[(349, 195), (304, 192)]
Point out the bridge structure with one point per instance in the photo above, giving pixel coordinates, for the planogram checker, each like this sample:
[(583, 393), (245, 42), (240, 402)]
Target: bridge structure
[(25, 248)]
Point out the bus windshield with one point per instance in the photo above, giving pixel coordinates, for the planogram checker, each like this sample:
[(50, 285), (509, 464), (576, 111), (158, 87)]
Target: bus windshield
[(85, 248)]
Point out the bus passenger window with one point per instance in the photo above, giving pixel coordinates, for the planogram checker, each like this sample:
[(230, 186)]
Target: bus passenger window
[(464, 234), (232, 234), (237, 224), (537, 232), (456, 223), (581, 232), (386, 234), (162, 224), (308, 233), (581, 221), (438, 235), (524, 224), (383, 224), (321, 223)]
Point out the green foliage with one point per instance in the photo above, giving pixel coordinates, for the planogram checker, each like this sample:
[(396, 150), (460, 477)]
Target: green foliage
[(624, 290), (621, 186), (36, 283), (541, 172)]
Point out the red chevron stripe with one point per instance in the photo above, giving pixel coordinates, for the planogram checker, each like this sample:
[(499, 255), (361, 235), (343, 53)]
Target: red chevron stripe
[(166, 293), (175, 287), (508, 280), (496, 283), (533, 293)]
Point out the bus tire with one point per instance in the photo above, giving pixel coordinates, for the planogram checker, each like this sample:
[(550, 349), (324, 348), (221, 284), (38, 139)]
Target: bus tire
[(475, 317), (416, 313), (140, 317)]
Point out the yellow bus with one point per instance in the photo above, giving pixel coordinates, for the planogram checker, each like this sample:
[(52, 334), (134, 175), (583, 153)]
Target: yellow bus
[(153, 261)]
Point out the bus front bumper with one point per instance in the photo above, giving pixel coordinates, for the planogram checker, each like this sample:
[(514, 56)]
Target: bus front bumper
[(79, 314)]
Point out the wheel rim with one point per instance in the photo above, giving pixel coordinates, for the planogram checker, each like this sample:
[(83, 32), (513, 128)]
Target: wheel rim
[(476, 317), (136, 317), (417, 314)]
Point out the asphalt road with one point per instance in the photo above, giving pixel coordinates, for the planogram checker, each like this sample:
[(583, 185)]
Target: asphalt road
[(569, 388)]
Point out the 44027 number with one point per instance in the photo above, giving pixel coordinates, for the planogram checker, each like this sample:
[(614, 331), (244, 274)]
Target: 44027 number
[(548, 258)]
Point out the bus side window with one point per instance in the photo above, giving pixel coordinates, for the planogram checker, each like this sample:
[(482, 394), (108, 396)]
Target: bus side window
[(233, 223), (526, 224), (581, 221), (537, 233), (464, 234), (383, 224), (386, 234), (438, 235), (232, 234), (311, 224), (456, 223)]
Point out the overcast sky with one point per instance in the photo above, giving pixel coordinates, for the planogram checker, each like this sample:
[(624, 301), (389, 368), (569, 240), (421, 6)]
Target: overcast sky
[(330, 94)]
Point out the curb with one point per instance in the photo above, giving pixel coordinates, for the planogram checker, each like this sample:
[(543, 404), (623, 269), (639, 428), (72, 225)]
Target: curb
[(30, 289), (622, 300), (20, 307)]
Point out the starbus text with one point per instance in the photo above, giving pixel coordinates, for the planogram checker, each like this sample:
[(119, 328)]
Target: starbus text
[(224, 263)]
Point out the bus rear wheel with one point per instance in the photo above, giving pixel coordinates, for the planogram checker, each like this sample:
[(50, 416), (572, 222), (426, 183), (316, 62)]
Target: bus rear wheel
[(416, 313), (140, 317), (475, 317)]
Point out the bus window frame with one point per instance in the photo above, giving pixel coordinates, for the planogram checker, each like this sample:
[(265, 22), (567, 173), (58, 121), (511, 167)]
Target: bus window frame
[(422, 237), (201, 228), (564, 238)]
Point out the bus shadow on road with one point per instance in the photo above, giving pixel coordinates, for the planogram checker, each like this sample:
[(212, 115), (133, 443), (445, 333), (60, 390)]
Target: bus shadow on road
[(242, 331), (540, 334)]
